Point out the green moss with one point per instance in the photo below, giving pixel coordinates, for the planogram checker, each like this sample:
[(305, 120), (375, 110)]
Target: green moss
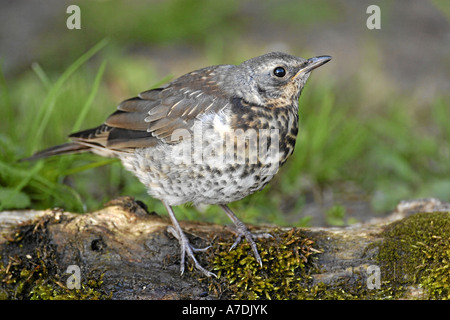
[(30, 270), (50, 291), (415, 253), (289, 261), (350, 288), (287, 264)]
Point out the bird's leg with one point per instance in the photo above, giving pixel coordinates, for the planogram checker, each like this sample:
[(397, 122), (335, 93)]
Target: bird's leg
[(186, 247), (243, 232)]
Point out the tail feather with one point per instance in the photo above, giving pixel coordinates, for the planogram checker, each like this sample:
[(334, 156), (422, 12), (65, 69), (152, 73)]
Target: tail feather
[(66, 148)]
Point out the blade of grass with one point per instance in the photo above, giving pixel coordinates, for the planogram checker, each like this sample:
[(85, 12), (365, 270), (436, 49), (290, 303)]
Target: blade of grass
[(41, 75), (46, 110), (28, 175), (38, 186), (87, 105), (66, 162), (89, 166)]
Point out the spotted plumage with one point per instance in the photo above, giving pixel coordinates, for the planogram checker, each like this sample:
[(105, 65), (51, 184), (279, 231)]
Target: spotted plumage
[(212, 136)]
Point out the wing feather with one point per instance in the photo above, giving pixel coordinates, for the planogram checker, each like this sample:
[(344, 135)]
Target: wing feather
[(125, 120), (154, 115)]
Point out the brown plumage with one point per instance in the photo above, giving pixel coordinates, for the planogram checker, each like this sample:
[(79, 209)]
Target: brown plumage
[(214, 135)]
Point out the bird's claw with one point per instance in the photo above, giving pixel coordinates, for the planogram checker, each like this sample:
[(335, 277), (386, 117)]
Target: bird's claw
[(242, 231), (188, 249)]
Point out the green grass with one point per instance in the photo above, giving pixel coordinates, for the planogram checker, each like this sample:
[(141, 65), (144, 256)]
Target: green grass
[(28, 184)]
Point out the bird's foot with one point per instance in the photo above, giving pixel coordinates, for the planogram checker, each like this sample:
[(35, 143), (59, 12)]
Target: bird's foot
[(243, 232), (188, 249)]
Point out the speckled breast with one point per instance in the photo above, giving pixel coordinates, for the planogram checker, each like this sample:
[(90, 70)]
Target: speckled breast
[(223, 158)]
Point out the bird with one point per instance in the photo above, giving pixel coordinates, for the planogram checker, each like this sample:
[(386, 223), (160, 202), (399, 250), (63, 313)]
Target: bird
[(212, 136)]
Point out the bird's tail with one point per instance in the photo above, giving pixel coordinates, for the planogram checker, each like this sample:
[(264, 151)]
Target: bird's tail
[(66, 148)]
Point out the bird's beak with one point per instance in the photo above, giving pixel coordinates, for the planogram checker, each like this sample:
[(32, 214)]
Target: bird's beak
[(312, 64)]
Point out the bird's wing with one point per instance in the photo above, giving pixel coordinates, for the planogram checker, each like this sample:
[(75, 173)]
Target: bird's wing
[(154, 115)]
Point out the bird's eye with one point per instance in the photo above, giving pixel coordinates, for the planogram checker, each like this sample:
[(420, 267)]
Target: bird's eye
[(279, 72)]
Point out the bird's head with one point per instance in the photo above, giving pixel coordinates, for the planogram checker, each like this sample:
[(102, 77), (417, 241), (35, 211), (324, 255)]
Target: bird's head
[(274, 79)]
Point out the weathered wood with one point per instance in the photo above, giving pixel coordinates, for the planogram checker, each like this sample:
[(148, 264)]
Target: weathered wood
[(136, 258)]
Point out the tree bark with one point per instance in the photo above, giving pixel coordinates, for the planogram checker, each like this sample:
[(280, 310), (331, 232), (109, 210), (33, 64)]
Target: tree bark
[(128, 254)]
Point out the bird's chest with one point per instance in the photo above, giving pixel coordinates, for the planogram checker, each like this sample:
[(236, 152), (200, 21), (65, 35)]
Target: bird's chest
[(256, 138), (275, 130), (220, 160)]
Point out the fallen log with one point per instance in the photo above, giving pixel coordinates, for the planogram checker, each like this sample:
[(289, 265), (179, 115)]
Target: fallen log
[(125, 252)]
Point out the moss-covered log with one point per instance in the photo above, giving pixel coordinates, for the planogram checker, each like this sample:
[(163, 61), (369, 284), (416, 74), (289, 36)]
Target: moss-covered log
[(124, 252)]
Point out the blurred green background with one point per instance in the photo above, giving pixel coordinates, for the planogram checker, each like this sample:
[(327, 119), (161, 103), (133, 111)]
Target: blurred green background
[(374, 121)]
